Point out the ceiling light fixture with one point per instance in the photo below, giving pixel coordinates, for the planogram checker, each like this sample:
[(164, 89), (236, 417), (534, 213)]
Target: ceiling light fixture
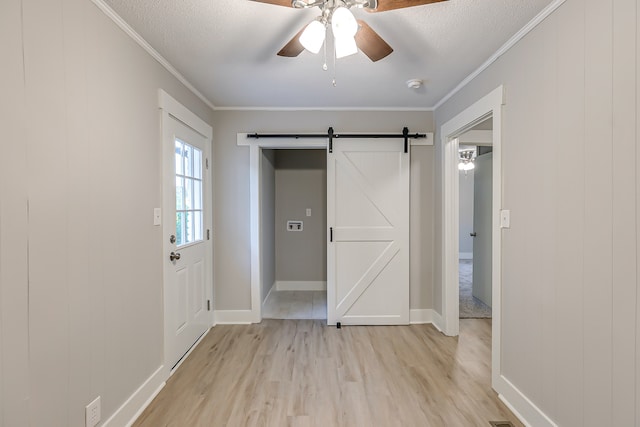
[(343, 27), (313, 36), (466, 160)]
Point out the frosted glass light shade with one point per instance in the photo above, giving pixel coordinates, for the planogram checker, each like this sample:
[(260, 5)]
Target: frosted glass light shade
[(313, 36), (343, 23), (466, 166), (345, 46)]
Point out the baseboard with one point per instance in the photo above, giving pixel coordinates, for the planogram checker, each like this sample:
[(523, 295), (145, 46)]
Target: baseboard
[(465, 255), (234, 317), (436, 320), (420, 316), (266, 298), (138, 401), (523, 408), (294, 285)]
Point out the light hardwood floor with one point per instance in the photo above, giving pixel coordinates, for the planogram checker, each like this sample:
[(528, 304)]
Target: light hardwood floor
[(303, 373)]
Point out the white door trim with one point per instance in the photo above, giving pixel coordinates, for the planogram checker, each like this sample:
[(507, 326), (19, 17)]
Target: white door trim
[(171, 109), (255, 151), (488, 106)]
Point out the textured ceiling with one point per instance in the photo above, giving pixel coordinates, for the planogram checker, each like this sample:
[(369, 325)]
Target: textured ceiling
[(227, 50)]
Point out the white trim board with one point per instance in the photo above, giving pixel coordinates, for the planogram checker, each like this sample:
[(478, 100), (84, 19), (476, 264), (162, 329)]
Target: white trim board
[(292, 285), (523, 408), (243, 140), (128, 30), (131, 409), (365, 109)]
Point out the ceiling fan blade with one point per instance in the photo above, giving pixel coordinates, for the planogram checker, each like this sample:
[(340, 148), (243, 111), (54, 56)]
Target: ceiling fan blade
[(294, 47), (384, 5), (286, 3), (370, 43)]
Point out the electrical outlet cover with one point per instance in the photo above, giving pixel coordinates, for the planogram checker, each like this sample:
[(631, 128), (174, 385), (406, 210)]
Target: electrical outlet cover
[(92, 413)]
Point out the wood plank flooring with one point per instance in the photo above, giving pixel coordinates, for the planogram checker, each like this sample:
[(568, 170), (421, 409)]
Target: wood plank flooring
[(303, 373)]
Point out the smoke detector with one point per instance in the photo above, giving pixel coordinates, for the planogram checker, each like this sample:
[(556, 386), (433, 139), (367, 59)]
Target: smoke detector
[(414, 84)]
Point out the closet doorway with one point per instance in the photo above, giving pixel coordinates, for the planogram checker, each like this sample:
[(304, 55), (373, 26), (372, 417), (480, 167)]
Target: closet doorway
[(293, 197)]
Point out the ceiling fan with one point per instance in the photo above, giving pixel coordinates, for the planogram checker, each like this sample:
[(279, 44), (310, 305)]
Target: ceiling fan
[(350, 34)]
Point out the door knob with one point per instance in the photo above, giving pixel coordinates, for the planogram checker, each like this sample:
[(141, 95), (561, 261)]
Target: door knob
[(472, 234), (174, 256)]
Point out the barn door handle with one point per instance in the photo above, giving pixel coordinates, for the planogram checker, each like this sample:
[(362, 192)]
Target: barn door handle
[(472, 234), (174, 256)]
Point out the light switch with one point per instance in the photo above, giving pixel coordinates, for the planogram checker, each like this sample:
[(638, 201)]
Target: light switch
[(157, 216), (505, 218), (308, 212)]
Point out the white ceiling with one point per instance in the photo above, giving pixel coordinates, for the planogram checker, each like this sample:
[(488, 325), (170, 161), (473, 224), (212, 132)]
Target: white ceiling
[(227, 50)]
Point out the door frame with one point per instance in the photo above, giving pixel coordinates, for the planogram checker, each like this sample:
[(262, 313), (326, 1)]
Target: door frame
[(171, 109), (488, 106), (255, 206)]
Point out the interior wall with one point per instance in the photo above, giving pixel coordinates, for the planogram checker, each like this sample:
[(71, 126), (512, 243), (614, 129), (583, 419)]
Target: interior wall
[(268, 219), (301, 183), (80, 259), (570, 178), (231, 176)]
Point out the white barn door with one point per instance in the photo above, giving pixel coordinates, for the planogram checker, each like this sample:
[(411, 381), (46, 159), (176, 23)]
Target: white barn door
[(368, 220)]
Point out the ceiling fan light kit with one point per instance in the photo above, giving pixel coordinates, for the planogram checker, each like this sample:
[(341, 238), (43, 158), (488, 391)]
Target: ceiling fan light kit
[(349, 34)]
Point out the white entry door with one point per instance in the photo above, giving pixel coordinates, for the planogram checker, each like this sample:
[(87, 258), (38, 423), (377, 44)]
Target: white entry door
[(368, 220), (186, 207)]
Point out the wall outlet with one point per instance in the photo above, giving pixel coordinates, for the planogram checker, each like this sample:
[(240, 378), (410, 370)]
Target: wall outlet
[(294, 225), (92, 413), (308, 212)]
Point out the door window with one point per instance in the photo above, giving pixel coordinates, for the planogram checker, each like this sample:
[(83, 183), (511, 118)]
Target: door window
[(189, 219)]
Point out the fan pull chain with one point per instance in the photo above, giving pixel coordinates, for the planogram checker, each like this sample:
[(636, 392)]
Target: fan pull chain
[(324, 64), (334, 65)]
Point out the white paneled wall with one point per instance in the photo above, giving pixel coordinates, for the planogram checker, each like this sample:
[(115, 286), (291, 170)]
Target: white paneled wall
[(80, 259), (570, 178)]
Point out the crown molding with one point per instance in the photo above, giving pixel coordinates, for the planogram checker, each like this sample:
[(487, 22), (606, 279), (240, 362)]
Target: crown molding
[(505, 47), (117, 19), (402, 109)]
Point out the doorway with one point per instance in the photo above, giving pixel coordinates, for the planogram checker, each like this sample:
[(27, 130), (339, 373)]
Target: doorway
[(475, 191), (294, 224), (186, 237), (360, 284), (490, 106)]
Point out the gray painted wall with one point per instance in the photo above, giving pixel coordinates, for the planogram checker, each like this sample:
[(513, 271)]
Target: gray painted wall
[(301, 183), (570, 178), (268, 205), (231, 176), (80, 260)]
